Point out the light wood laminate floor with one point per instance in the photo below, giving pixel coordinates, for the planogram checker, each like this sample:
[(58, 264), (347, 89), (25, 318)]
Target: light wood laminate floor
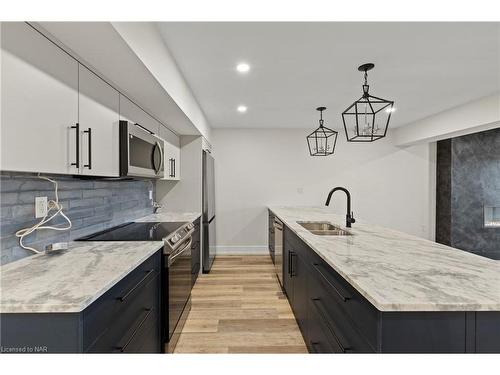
[(239, 308)]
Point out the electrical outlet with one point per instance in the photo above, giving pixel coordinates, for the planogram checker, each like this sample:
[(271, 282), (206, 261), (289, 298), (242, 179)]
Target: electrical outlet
[(40, 207), (151, 194)]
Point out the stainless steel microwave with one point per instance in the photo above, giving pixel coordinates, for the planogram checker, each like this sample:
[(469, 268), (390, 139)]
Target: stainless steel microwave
[(141, 152)]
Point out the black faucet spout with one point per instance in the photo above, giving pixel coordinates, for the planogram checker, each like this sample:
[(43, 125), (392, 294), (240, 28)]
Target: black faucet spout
[(350, 216)]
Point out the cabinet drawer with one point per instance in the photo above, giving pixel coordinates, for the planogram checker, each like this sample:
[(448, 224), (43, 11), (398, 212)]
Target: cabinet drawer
[(344, 300), (319, 340), (130, 321), (114, 305), (326, 307), (143, 336)]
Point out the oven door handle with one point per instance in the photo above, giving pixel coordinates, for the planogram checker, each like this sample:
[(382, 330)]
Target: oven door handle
[(179, 253)]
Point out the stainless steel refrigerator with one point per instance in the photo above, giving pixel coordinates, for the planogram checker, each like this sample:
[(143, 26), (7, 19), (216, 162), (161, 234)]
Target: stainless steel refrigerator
[(208, 211)]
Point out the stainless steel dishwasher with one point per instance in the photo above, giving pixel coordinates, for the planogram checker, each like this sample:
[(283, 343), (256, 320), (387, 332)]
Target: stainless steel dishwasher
[(278, 248)]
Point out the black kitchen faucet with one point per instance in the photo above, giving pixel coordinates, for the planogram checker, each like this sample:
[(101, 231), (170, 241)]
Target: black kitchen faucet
[(349, 218)]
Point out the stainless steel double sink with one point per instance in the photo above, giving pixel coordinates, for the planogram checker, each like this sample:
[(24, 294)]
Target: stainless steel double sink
[(323, 228)]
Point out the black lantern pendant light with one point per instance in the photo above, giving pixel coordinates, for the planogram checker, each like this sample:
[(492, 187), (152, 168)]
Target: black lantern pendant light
[(367, 119), (322, 141)]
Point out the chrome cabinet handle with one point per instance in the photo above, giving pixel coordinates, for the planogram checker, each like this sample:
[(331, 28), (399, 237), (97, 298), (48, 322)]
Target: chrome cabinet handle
[(77, 128), (161, 157), (179, 253), (171, 174), (89, 132)]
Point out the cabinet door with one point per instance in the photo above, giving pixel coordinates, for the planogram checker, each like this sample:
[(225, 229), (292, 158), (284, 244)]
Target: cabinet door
[(98, 118), (300, 291), (129, 111), (172, 161), (39, 103)]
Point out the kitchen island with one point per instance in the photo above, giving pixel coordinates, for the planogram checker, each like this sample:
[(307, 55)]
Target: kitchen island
[(380, 290)]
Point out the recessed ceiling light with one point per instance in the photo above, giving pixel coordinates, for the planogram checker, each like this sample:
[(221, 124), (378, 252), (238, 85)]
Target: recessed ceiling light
[(243, 67), (242, 108), (390, 109)]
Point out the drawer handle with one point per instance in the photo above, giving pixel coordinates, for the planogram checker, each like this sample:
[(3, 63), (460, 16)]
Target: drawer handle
[(123, 298), (319, 306), (292, 264), (77, 140), (139, 326), (313, 346), (89, 132), (342, 297)]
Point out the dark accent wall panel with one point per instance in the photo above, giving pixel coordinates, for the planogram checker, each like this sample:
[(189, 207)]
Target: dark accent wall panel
[(443, 194), (468, 178)]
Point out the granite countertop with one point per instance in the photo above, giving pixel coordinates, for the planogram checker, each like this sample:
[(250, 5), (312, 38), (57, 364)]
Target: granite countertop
[(400, 272), (170, 217), (70, 281)]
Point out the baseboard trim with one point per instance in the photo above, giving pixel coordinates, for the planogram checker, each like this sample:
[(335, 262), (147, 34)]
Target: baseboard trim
[(242, 250)]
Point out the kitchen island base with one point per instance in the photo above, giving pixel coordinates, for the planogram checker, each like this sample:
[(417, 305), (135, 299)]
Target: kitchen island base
[(334, 317)]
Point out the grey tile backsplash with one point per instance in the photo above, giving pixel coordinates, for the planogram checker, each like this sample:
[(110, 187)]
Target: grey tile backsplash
[(92, 205)]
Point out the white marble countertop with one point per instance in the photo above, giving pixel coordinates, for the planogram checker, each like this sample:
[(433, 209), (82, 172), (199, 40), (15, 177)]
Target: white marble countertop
[(170, 217), (397, 271), (69, 281)]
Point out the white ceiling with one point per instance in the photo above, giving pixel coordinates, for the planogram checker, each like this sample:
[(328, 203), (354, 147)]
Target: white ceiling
[(296, 67)]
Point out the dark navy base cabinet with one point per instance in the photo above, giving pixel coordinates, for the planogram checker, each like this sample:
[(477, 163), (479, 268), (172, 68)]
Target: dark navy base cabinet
[(126, 319), (335, 318)]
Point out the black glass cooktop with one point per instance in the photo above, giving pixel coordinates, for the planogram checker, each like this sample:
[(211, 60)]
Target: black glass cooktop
[(135, 232)]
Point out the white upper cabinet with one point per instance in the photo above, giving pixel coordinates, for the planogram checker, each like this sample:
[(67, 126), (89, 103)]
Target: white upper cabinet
[(172, 154), (98, 119), (39, 99), (57, 116), (129, 111)]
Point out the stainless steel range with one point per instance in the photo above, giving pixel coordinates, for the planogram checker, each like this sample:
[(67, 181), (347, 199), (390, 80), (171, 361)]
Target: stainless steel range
[(176, 266)]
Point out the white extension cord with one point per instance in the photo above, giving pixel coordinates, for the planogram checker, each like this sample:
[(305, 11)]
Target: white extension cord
[(52, 205)]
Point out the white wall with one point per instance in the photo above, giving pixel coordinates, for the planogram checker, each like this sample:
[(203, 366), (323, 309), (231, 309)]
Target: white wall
[(390, 186), (479, 115)]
